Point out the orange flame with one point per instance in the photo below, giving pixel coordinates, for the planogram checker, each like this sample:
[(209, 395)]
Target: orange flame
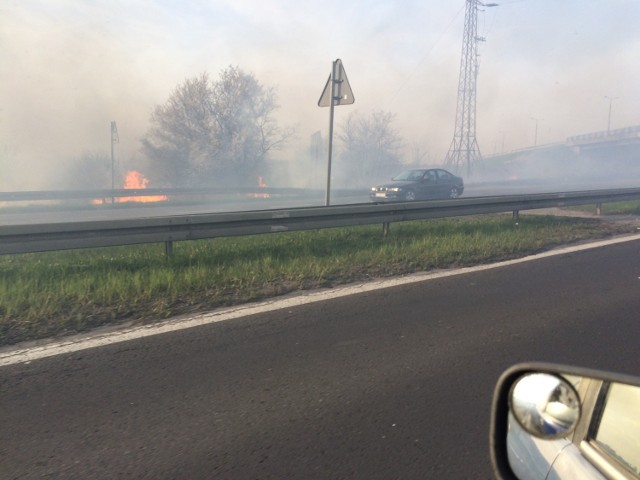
[(261, 184), (134, 180)]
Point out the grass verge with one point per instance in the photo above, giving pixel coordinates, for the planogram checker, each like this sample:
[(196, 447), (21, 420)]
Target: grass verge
[(60, 293), (613, 208)]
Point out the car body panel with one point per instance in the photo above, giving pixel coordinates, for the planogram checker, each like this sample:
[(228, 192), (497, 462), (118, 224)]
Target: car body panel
[(534, 458), (531, 458), (571, 463)]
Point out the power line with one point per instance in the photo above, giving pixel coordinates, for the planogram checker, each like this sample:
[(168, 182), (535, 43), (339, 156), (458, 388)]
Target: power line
[(425, 56)]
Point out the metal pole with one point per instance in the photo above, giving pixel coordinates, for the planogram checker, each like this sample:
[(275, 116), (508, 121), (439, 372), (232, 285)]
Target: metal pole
[(611, 99), (535, 137), (334, 74), (168, 249), (114, 140), (112, 159)]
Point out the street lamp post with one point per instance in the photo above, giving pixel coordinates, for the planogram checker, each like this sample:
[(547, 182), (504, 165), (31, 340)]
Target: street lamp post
[(535, 136), (611, 99)]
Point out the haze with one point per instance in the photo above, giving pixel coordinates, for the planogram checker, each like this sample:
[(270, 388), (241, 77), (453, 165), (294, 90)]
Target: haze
[(71, 67)]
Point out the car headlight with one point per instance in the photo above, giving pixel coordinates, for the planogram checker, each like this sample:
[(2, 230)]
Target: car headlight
[(373, 189), (394, 189)]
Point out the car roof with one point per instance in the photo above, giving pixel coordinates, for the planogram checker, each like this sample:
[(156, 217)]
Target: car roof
[(424, 169)]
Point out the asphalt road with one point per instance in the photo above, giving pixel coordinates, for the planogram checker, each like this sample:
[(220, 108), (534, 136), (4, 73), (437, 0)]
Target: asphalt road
[(393, 383), (37, 214)]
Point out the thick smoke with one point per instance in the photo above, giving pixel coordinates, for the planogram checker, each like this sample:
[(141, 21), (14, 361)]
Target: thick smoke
[(70, 69)]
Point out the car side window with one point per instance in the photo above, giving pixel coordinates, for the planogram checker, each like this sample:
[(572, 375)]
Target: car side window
[(618, 429), (430, 176), (444, 176)]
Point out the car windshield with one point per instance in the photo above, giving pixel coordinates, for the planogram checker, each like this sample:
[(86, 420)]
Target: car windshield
[(409, 175)]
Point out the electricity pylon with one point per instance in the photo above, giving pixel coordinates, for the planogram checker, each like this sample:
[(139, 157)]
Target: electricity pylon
[(464, 149)]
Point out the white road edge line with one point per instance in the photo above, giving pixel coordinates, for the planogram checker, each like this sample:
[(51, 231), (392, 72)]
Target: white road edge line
[(17, 355)]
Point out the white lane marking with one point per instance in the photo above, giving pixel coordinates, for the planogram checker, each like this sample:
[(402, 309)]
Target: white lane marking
[(14, 355)]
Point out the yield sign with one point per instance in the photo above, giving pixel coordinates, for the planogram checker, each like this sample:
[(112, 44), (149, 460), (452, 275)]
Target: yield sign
[(342, 93), (336, 92)]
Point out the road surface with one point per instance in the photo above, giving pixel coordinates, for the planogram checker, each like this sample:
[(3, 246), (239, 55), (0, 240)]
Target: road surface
[(57, 212), (393, 383)]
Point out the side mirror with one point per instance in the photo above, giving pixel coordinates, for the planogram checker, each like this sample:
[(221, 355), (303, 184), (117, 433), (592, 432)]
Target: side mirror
[(553, 421), (545, 405)]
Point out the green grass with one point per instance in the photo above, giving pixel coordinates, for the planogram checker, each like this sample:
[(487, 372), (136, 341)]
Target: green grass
[(59, 293)]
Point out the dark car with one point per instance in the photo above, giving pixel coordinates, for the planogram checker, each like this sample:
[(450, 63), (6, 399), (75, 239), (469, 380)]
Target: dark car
[(417, 184)]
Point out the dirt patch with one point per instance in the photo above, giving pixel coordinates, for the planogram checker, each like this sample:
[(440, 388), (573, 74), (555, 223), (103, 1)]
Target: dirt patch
[(633, 220)]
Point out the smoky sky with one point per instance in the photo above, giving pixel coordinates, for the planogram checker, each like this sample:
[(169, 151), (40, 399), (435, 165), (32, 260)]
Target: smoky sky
[(71, 67)]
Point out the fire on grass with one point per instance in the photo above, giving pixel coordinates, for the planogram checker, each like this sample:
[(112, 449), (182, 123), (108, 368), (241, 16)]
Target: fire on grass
[(134, 180), (261, 184)]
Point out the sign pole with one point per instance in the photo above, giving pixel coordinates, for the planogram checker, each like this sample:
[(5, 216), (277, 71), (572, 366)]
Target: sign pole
[(334, 73), (337, 91)]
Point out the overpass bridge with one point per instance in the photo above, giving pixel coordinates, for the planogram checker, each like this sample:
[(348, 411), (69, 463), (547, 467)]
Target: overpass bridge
[(620, 136), (597, 154)]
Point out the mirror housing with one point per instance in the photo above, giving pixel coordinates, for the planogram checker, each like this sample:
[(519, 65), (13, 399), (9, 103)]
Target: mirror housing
[(543, 406)]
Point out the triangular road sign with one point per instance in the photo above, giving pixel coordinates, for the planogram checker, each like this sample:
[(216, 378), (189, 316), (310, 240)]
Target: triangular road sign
[(343, 95)]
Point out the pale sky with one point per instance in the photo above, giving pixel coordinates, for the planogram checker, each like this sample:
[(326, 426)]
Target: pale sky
[(71, 67)]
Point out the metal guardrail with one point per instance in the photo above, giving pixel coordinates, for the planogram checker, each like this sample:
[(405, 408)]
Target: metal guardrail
[(168, 229), (140, 192)]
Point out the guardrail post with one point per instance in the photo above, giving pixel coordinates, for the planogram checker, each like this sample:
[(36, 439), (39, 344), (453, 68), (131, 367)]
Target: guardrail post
[(598, 209), (168, 249), (385, 228)]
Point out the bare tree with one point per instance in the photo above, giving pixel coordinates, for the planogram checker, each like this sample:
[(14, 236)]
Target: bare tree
[(211, 133), (370, 147), (89, 171)]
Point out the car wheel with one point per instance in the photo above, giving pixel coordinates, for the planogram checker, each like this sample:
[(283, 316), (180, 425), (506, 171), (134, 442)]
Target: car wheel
[(454, 193), (410, 195)]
